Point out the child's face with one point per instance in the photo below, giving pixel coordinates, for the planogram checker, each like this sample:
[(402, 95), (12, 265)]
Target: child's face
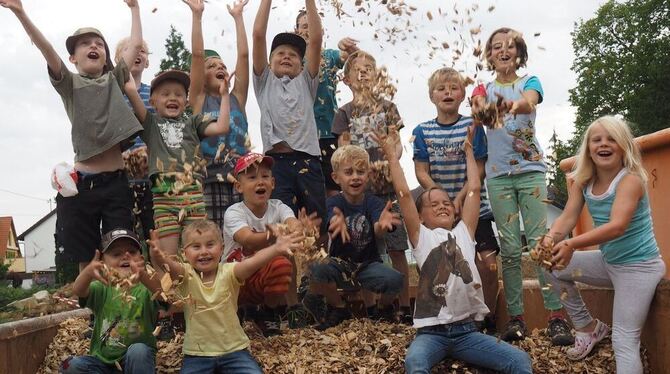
[(603, 149), (89, 55), (361, 73), (215, 72), (352, 177), (203, 250), (285, 60), (447, 95), (302, 28), (503, 53), (169, 99), (255, 184), (437, 210), (120, 254)]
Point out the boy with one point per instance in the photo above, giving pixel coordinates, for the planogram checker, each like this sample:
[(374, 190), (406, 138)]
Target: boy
[(174, 155), (325, 104), (353, 124), (449, 297), (357, 219), (215, 341), (439, 161), (286, 92), (101, 124), (245, 232), (123, 331)]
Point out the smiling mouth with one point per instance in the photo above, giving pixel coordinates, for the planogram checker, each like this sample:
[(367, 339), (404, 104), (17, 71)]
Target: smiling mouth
[(604, 153), (172, 106), (204, 260), (220, 75), (138, 61), (93, 55), (261, 191), (125, 265), (448, 100)]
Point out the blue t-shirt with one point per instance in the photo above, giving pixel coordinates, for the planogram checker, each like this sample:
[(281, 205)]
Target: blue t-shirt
[(360, 220), (441, 146), (325, 104), (513, 148)]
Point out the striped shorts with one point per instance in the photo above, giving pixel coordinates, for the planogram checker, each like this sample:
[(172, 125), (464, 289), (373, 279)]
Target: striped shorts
[(172, 211), (272, 279)]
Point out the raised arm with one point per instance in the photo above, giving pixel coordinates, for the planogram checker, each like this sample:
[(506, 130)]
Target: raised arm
[(241, 86), (259, 36), (315, 30), (347, 46), (422, 171), (388, 221), (160, 260), (282, 247), (135, 42), (222, 124), (470, 210), (48, 51), (93, 271), (130, 89), (196, 91)]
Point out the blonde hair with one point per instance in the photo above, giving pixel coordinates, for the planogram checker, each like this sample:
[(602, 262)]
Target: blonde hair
[(448, 74), (122, 44), (584, 169), (353, 154), (352, 57), (203, 225)]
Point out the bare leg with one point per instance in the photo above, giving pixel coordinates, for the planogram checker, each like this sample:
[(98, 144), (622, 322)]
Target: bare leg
[(400, 264)]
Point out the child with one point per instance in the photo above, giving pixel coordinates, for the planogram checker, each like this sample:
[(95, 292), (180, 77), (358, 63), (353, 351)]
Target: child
[(353, 124), (439, 161), (245, 232), (610, 180), (173, 140), (515, 176), (357, 219), (136, 157), (215, 341), (449, 297), (286, 92), (123, 330), (207, 73), (101, 123), (325, 105)]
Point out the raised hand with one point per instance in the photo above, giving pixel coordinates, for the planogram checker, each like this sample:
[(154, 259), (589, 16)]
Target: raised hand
[(387, 142), (285, 244), (388, 220), (155, 250), (130, 85), (131, 3), (197, 6), (338, 226), (224, 86), (96, 269), (311, 222), (13, 5), (347, 44), (237, 8)]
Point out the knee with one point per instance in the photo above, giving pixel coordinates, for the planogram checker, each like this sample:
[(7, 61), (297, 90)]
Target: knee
[(519, 362), (139, 352), (74, 365), (625, 341), (322, 273), (416, 363), (391, 283)]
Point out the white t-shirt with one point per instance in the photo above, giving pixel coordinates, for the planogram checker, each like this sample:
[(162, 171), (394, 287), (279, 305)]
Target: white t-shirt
[(238, 216), (449, 287)]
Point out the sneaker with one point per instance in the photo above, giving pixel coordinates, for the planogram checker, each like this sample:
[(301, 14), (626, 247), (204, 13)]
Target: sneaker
[(559, 332), (334, 317), (404, 316), (488, 325), (297, 316), (316, 306), (166, 332), (514, 330), (585, 341), (268, 321)]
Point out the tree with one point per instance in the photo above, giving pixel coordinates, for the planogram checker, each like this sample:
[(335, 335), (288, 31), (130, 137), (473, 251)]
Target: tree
[(556, 177), (177, 56)]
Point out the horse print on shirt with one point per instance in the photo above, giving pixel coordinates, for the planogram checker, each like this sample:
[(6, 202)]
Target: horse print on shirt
[(443, 260)]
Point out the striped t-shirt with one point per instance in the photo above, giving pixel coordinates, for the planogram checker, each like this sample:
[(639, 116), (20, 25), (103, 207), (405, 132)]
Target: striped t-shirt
[(441, 145)]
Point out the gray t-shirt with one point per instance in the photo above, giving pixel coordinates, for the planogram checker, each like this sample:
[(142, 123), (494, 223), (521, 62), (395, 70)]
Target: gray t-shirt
[(174, 141), (287, 110), (96, 108)]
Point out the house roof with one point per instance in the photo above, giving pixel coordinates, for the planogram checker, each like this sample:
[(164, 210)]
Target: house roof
[(36, 225), (6, 229)]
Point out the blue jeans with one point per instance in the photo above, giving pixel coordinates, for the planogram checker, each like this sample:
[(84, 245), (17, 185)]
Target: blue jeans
[(139, 358), (375, 276), (241, 362), (463, 342)]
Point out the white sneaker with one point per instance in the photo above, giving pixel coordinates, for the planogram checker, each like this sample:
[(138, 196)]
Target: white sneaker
[(585, 341)]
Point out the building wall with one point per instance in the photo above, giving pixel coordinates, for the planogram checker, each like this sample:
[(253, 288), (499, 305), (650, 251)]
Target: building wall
[(39, 246)]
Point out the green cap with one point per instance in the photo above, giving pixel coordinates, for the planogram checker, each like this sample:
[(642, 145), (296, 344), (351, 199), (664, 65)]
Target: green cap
[(71, 41)]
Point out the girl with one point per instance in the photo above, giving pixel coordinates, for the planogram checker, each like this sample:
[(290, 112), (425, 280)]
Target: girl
[(610, 179), (515, 175)]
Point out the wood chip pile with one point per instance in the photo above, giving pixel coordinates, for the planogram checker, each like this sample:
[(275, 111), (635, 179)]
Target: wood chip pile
[(356, 346)]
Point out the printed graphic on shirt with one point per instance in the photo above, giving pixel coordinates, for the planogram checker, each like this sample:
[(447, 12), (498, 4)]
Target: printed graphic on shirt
[(435, 277), (448, 148), (363, 126), (172, 133), (523, 142), (360, 231), (118, 332)]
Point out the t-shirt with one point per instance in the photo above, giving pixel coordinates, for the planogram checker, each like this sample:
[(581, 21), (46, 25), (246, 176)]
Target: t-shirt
[(118, 324), (212, 326), (360, 221), (173, 142), (449, 289), (234, 141), (239, 216), (513, 148), (99, 116), (287, 110), (145, 94), (325, 104), (441, 146)]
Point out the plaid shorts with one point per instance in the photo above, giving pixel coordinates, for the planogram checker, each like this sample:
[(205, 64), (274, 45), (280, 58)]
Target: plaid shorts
[(174, 211), (218, 197)]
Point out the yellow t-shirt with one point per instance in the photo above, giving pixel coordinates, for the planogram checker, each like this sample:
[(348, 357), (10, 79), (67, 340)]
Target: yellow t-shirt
[(212, 326)]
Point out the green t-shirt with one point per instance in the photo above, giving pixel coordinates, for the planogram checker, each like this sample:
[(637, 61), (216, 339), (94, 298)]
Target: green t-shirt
[(172, 142), (121, 322)]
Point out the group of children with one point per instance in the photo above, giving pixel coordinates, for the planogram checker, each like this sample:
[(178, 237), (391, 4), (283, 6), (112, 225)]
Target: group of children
[(315, 175)]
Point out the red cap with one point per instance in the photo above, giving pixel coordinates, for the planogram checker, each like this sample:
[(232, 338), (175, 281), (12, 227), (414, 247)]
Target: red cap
[(252, 158)]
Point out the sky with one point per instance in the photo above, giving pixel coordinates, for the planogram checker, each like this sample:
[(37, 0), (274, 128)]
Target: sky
[(35, 132)]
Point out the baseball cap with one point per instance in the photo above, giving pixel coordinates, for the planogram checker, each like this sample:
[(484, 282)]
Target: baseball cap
[(116, 234), (250, 159), (291, 39), (174, 75), (71, 42)]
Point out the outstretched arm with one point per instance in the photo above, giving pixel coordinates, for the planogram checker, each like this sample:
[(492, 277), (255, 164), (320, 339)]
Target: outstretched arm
[(470, 210), (53, 61), (241, 86), (260, 48), (313, 53), (94, 270), (387, 222), (222, 124), (196, 91), (160, 260), (282, 247), (135, 43)]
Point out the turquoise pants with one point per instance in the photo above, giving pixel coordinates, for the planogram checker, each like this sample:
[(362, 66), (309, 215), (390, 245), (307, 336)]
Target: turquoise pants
[(510, 195)]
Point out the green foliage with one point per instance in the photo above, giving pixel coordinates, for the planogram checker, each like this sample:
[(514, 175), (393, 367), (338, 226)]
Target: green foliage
[(9, 294), (4, 268), (559, 150), (177, 56)]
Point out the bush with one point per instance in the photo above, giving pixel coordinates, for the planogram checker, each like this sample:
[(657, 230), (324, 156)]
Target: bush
[(9, 294)]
